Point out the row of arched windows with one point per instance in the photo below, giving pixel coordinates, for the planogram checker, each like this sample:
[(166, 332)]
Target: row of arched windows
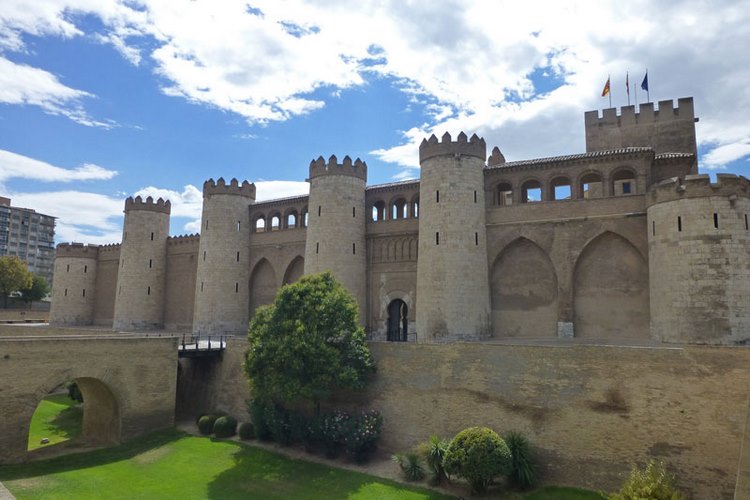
[(591, 184), (399, 208), (276, 221)]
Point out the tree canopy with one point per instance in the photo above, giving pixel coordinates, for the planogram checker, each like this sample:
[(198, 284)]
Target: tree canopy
[(37, 291), (308, 343), (14, 276)]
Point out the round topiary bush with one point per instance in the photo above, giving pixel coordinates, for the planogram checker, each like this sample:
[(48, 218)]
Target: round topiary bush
[(246, 430), (206, 424), (225, 427), (479, 455)]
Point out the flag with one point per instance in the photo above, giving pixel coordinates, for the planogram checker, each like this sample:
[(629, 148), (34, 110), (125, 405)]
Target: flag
[(627, 84), (605, 90), (644, 83)]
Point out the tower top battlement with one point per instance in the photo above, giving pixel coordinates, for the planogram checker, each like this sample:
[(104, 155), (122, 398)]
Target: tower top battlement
[(647, 114), (699, 186), (77, 250), (161, 205), (234, 187), (475, 146), (319, 167)]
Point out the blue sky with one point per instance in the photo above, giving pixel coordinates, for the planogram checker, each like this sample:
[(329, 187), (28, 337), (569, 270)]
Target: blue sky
[(104, 99)]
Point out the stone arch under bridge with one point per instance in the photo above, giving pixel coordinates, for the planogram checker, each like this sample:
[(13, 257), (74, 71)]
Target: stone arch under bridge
[(128, 384)]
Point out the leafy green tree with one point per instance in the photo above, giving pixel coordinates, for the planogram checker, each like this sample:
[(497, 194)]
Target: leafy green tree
[(479, 455), (37, 291), (14, 276), (307, 344)]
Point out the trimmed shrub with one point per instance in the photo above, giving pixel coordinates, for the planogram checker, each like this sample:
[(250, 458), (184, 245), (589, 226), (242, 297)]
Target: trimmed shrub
[(225, 427), (433, 452), (360, 434), (479, 455), (258, 416), (332, 430), (410, 465), (653, 482), (246, 430), (523, 472), (206, 424)]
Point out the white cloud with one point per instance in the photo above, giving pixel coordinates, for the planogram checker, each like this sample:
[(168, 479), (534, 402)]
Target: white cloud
[(13, 165), (269, 190), (727, 153)]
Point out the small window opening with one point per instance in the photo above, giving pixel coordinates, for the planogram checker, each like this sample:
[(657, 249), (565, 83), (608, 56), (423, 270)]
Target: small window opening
[(626, 188), (206, 223), (86, 268), (125, 236), (476, 239), (119, 291), (150, 263), (746, 227), (437, 196), (239, 224), (653, 228), (236, 287), (148, 291), (260, 225), (84, 292), (152, 236), (716, 220), (504, 194), (354, 211), (475, 196), (317, 247), (319, 210), (66, 292), (275, 223), (204, 255), (531, 192), (679, 223), (67, 270), (238, 256), (437, 238), (354, 248), (201, 286)]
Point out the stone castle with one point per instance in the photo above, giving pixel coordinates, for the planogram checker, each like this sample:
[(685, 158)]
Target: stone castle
[(624, 242)]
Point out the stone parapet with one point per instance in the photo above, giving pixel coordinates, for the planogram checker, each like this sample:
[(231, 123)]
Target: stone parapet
[(319, 167), (138, 203), (77, 250), (220, 186), (698, 186), (475, 146)]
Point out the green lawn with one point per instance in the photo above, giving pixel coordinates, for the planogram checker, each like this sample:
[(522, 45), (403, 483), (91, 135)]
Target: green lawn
[(171, 464), (558, 493), (57, 418)]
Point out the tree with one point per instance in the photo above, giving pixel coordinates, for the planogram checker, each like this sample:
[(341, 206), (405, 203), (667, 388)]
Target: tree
[(479, 455), (38, 289), (307, 344), (14, 276)]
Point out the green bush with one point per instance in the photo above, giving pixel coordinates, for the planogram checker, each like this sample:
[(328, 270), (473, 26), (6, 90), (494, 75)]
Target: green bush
[(433, 452), (360, 434), (652, 483), (206, 424), (479, 455), (246, 430), (523, 467), (225, 427), (410, 465), (74, 392), (258, 416)]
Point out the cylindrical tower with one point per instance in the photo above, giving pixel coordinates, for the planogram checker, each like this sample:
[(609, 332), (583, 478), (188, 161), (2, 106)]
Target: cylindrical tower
[(74, 286), (453, 298), (336, 225), (139, 298), (222, 287), (699, 277)]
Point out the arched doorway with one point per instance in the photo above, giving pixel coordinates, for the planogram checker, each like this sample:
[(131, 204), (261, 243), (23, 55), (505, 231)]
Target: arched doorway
[(262, 285), (398, 321)]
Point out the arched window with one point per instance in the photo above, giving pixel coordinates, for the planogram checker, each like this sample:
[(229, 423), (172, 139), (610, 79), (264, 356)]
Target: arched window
[(590, 186), (623, 182), (399, 209), (398, 321), (415, 208), (560, 188), (378, 211), (504, 194), (291, 220), (260, 224), (275, 223), (531, 191)]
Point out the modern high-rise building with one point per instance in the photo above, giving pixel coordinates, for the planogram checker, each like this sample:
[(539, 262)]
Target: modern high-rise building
[(28, 235)]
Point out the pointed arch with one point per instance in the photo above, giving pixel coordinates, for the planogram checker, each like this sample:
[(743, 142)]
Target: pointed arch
[(294, 271), (610, 290), (262, 285), (523, 288)]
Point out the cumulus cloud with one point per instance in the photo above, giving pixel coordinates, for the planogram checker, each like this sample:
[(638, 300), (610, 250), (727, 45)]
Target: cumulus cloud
[(13, 165)]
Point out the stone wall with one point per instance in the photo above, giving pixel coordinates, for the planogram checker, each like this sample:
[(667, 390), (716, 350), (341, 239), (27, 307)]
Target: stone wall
[(106, 284), (128, 384), (182, 264)]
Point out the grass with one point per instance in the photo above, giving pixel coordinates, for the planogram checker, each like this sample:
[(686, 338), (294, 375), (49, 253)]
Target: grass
[(559, 493), (171, 464), (58, 418)]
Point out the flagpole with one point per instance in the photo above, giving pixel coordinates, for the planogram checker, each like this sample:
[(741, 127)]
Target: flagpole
[(610, 90), (627, 85), (648, 89)]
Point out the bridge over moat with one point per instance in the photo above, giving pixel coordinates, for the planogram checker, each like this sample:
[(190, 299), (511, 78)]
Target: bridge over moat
[(128, 382)]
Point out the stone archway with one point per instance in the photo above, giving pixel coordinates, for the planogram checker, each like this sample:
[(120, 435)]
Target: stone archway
[(611, 292), (262, 285), (398, 321), (294, 271)]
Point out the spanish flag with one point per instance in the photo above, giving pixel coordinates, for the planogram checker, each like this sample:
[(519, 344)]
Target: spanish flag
[(605, 90)]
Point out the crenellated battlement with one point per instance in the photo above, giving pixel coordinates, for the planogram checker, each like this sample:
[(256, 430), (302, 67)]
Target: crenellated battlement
[(319, 167), (183, 239), (77, 250), (246, 189), (496, 158), (138, 203), (648, 114), (475, 146), (699, 186)]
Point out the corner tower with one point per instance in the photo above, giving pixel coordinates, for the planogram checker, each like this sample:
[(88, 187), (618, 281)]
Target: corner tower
[(453, 298), (699, 275), (74, 287), (336, 224), (222, 287), (139, 298)]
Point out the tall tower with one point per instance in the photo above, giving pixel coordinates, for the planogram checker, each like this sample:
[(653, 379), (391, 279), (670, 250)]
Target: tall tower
[(139, 298), (74, 286), (336, 225), (222, 287), (453, 297), (699, 276)]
